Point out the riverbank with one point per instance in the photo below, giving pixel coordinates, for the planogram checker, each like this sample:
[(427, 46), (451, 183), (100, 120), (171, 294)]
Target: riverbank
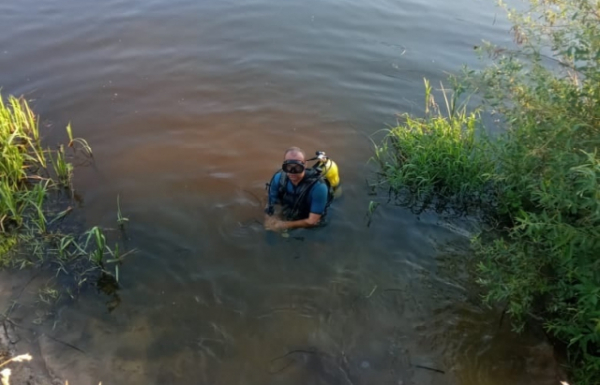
[(27, 326), (18, 291), (535, 184)]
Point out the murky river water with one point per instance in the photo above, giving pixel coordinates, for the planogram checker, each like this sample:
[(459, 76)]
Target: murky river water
[(188, 106)]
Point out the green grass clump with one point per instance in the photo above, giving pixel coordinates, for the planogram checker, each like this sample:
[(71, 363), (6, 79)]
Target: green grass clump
[(437, 159), (30, 231), (62, 168), (540, 177), (22, 156)]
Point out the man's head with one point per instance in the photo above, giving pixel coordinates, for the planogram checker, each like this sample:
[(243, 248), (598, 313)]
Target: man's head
[(294, 164)]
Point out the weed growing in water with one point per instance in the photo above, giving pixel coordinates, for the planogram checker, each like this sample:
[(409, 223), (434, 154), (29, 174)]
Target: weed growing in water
[(62, 168), (121, 220), (82, 142), (437, 159), (28, 193)]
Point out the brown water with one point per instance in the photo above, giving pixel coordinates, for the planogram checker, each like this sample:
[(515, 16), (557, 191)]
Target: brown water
[(188, 106)]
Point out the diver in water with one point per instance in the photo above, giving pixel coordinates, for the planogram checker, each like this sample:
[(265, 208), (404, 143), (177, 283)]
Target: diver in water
[(303, 193)]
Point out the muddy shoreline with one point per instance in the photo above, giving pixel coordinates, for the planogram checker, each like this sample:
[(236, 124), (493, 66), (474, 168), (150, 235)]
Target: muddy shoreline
[(21, 311)]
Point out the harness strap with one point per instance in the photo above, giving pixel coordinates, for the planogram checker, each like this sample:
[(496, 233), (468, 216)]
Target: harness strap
[(313, 174)]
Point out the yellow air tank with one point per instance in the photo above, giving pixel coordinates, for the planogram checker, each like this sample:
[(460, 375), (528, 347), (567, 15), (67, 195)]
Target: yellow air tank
[(328, 169)]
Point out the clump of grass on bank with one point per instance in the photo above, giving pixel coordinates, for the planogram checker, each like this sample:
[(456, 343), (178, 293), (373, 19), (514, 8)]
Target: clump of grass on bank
[(22, 157), (541, 176), (437, 159), (31, 207)]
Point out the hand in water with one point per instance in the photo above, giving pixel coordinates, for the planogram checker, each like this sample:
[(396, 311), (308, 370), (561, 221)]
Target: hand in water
[(273, 224)]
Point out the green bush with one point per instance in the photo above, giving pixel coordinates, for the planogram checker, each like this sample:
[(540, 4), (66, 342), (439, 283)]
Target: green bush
[(541, 176)]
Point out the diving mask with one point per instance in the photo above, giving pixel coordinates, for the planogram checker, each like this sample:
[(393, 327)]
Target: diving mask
[(293, 166)]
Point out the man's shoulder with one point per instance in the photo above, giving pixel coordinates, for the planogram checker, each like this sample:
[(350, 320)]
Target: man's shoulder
[(320, 188), (276, 177)]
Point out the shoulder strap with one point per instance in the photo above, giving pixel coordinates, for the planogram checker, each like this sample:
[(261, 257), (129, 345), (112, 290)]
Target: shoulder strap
[(282, 183), (311, 178)]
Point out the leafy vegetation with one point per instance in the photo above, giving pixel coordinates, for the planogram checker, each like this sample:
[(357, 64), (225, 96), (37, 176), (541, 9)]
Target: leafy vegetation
[(437, 160), (539, 181), (31, 220)]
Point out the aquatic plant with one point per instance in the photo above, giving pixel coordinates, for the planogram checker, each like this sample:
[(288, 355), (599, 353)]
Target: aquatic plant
[(22, 155), (62, 168), (540, 178), (121, 220), (437, 159), (82, 142), (99, 248), (30, 232)]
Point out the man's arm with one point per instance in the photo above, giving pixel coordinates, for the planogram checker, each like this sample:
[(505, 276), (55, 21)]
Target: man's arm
[(318, 201), (312, 220)]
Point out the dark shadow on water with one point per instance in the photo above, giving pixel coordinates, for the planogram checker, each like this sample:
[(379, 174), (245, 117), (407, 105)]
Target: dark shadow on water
[(108, 285)]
